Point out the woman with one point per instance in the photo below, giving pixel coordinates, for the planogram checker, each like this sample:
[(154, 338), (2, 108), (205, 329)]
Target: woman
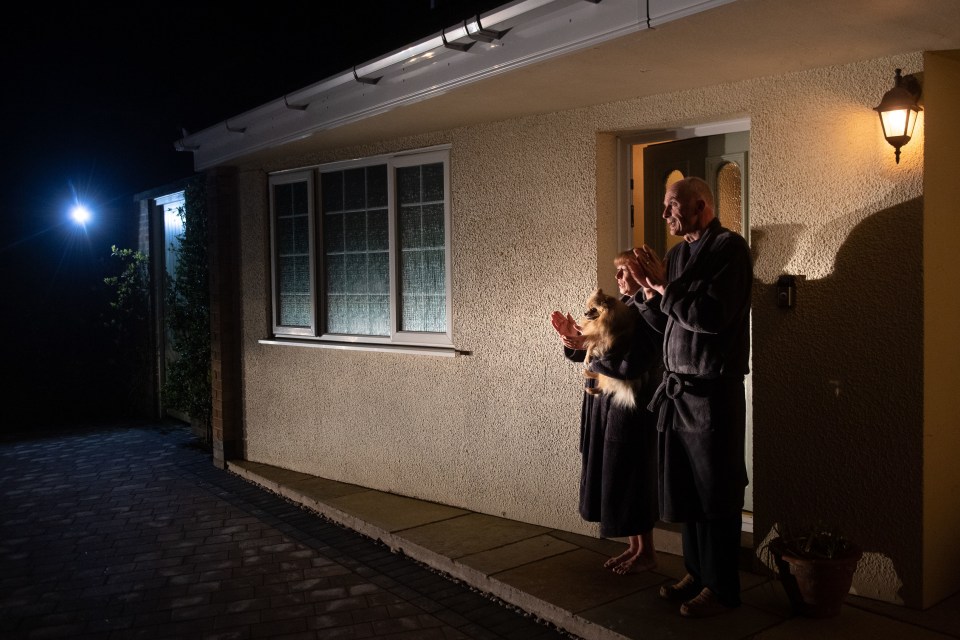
[(618, 480)]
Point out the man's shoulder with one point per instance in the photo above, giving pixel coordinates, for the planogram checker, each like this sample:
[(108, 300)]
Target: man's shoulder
[(730, 240)]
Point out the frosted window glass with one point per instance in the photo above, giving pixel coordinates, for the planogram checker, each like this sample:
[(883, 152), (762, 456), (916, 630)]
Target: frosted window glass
[(331, 187), (378, 230), (378, 273), (301, 239), (285, 235), (354, 189), (337, 317), (422, 266), (434, 273), (356, 251), (336, 274), (410, 226), (292, 229), (380, 315), (333, 232), (356, 273), (433, 225), (433, 182), (377, 186), (408, 185), (299, 198), (729, 197), (355, 231), (283, 199), (411, 270)]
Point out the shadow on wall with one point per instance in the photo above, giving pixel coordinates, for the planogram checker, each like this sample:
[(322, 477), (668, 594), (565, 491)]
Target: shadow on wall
[(838, 413)]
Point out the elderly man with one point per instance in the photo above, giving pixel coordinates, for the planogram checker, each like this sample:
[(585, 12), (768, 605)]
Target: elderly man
[(701, 303)]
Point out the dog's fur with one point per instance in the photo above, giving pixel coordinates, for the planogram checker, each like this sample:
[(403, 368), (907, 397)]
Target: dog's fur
[(607, 325)]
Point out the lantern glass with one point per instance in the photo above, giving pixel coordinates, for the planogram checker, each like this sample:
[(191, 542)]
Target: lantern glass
[(898, 123)]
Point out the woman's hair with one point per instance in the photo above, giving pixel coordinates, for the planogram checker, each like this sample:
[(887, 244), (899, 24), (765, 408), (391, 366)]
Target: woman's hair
[(622, 258)]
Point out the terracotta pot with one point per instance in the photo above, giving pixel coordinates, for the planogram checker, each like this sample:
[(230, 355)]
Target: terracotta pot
[(817, 587)]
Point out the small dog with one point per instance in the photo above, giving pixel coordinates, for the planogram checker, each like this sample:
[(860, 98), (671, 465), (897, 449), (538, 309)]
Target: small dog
[(607, 326)]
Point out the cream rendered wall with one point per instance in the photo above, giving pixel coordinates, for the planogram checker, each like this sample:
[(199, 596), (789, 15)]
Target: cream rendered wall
[(838, 396), (838, 379)]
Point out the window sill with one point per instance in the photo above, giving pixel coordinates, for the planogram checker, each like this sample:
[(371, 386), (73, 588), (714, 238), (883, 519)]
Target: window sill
[(417, 350)]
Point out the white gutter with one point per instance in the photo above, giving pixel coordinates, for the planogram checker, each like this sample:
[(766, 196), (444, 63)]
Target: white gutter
[(514, 35)]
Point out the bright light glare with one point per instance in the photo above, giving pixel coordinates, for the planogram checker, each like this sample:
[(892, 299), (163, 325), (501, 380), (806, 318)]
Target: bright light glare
[(80, 214)]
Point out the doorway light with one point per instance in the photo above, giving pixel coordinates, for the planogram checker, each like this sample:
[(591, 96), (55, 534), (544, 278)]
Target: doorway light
[(898, 111)]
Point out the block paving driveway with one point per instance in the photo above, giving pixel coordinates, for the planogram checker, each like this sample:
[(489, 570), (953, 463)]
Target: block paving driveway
[(131, 532)]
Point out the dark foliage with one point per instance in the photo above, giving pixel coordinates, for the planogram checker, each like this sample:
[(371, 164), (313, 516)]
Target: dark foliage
[(187, 386)]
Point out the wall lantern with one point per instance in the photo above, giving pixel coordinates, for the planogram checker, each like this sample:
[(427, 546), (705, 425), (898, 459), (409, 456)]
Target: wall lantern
[(898, 111)]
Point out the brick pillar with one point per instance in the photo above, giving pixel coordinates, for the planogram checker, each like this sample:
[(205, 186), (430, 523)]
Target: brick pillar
[(223, 225)]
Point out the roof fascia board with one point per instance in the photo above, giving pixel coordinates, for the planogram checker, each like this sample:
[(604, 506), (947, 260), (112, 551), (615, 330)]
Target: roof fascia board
[(539, 30)]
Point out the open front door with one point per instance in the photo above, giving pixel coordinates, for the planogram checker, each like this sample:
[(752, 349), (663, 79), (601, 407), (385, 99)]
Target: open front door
[(664, 164)]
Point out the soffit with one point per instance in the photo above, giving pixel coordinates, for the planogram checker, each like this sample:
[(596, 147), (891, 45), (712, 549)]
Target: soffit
[(736, 41)]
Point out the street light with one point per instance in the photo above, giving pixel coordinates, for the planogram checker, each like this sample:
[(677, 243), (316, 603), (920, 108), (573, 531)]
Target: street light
[(80, 214)]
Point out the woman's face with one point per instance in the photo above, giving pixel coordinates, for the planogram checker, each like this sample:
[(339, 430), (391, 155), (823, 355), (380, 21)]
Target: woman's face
[(627, 285)]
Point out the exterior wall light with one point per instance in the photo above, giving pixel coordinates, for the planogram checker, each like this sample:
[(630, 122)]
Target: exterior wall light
[(898, 111)]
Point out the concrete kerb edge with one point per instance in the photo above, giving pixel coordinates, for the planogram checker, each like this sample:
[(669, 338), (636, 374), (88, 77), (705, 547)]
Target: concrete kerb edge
[(542, 609)]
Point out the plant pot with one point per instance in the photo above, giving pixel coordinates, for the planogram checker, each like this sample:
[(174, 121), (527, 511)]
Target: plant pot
[(817, 587)]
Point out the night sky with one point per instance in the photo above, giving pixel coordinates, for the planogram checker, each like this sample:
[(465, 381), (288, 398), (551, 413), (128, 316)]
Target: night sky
[(93, 99)]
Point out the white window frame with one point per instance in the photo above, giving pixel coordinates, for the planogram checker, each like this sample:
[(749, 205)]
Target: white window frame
[(291, 178), (316, 334)]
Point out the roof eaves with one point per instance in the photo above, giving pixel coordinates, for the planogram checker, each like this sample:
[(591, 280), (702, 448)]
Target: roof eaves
[(509, 37)]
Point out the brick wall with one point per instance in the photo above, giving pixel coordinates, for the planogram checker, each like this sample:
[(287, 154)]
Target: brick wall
[(225, 323)]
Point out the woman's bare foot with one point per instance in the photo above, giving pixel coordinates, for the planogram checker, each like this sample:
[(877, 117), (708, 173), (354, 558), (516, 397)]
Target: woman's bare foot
[(613, 563), (636, 564)]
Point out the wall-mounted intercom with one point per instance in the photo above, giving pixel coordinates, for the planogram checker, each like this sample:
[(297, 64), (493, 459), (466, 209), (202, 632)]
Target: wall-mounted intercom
[(786, 291)]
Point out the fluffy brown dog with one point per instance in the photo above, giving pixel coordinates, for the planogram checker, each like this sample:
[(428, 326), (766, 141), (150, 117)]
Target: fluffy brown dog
[(607, 326)]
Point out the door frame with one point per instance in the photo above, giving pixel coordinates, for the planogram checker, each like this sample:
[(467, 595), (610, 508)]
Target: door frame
[(626, 216), (626, 141)]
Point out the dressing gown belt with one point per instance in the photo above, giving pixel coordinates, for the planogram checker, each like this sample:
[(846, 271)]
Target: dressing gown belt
[(674, 385)]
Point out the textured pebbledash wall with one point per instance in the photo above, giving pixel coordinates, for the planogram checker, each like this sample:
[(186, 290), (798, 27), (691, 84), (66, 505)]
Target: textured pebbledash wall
[(837, 381)]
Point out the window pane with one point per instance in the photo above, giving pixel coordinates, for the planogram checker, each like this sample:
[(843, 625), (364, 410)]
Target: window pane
[(380, 315), (331, 186), (356, 253), (357, 316), (422, 266), (294, 284), (333, 232), (377, 186), (378, 230), (285, 241), (410, 227), (433, 225), (292, 237), (433, 182), (408, 185), (337, 316), (355, 231), (356, 273), (434, 275), (283, 199), (354, 189), (411, 270), (301, 230), (336, 274), (299, 198), (378, 273), (729, 198)]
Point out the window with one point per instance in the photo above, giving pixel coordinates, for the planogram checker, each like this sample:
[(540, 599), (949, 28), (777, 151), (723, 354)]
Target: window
[(361, 251)]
